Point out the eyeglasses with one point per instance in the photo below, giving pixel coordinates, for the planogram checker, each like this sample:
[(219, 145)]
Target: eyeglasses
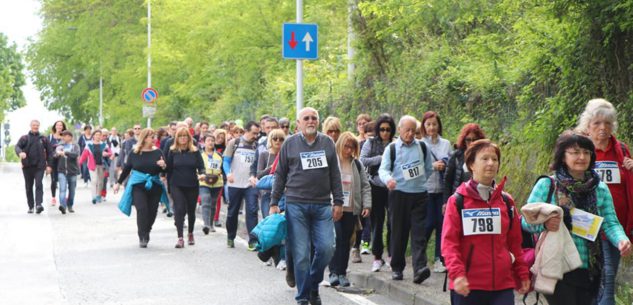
[(577, 152), (285, 126), (470, 139), (310, 117), (277, 139), (385, 129), (333, 131)]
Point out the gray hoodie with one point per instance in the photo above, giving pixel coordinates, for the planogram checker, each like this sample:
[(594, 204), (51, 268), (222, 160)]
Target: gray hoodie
[(320, 178)]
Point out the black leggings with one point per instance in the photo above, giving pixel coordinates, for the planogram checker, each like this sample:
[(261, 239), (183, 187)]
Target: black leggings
[(146, 203), (54, 180), (185, 199)]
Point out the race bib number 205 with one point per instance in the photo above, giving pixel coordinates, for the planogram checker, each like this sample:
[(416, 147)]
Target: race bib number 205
[(313, 160), (481, 221)]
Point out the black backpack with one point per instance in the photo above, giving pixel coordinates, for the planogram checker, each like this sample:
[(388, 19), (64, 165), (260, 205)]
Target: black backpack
[(392, 152)]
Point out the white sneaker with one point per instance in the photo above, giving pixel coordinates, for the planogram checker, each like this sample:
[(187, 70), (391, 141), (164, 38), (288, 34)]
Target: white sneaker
[(376, 265), (281, 265), (439, 267), (269, 262)]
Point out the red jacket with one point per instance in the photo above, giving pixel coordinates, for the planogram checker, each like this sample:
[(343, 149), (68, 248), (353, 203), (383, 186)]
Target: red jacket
[(485, 260)]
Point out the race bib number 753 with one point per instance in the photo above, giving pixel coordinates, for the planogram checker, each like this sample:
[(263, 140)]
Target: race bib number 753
[(481, 221), (313, 160)]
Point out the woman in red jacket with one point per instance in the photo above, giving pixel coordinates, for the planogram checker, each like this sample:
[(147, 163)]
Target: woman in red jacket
[(481, 235)]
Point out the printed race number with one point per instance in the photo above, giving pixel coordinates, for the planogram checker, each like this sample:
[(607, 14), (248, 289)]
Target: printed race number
[(313, 160), (608, 171), (411, 170), (481, 221)]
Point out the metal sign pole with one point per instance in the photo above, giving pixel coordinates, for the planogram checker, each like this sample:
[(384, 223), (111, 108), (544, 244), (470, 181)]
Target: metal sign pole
[(149, 54), (299, 64)]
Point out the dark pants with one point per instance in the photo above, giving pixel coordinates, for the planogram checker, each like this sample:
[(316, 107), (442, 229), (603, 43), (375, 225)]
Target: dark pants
[(33, 175), (185, 199), (54, 179), (364, 234), (235, 200), (434, 220), (146, 203), (379, 208), (85, 172), (408, 215), (573, 289), (344, 229), (480, 297)]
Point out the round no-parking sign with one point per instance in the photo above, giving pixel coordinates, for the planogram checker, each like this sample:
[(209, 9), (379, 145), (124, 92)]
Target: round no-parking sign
[(149, 95)]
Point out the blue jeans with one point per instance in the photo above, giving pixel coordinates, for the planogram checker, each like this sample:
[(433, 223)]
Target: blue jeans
[(265, 203), (606, 295), (309, 225), (67, 183), (235, 200)]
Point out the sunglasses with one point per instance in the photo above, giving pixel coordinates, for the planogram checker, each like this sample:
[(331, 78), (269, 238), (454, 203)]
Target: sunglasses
[(285, 126), (310, 117), (333, 131), (277, 139), (385, 129)]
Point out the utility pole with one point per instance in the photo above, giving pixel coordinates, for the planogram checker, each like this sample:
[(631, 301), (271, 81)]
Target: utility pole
[(350, 39), (299, 64), (149, 53)]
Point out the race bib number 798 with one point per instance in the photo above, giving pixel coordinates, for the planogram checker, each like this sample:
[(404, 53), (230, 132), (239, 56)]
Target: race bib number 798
[(481, 221)]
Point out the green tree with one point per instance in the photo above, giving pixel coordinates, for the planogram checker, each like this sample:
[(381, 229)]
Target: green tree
[(11, 77)]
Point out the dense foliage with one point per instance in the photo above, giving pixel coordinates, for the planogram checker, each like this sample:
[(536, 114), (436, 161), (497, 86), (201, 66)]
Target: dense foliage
[(11, 77), (522, 69)]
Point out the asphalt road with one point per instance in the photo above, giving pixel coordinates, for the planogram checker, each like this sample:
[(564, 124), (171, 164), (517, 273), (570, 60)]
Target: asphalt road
[(92, 257)]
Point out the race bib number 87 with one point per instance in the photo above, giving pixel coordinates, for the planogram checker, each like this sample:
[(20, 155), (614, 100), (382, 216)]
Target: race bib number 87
[(481, 221), (313, 160)]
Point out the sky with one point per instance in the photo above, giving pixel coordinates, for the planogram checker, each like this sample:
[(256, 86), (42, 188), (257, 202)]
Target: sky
[(19, 21)]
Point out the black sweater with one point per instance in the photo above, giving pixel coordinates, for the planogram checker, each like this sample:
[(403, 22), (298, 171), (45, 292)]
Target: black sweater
[(144, 163), (183, 168)]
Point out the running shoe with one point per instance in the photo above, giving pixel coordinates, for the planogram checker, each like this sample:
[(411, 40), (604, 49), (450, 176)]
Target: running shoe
[(205, 230), (53, 201), (190, 240), (364, 248), (439, 267), (62, 209), (252, 247), (39, 209), (70, 209), (343, 281), (31, 210), (334, 280), (376, 265), (281, 265), (218, 223), (230, 243), (180, 243)]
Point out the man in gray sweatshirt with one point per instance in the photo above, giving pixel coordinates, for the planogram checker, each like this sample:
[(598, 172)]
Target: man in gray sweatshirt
[(309, 175)]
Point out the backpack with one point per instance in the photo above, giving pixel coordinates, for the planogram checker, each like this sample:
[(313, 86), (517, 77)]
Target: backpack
[(392, 152)]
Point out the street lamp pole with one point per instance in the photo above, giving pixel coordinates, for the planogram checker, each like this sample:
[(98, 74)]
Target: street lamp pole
[(299, 64), (149, 53), (100, 100)]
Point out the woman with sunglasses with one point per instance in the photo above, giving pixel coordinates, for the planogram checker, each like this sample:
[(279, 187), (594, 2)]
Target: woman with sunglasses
[(264, 163), (371, 157), (456, 172)]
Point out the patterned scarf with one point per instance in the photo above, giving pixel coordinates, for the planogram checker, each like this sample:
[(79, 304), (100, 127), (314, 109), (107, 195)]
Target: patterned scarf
[(582, 195)]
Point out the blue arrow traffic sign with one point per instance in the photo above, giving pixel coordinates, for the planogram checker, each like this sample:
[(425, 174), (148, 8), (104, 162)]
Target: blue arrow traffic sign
[(300, 41), (149, 95)]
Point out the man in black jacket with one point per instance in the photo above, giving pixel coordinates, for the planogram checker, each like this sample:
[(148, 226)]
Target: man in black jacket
[(35, 152)]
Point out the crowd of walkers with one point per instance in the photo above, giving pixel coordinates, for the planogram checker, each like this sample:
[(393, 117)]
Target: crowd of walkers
[(382, 190)]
